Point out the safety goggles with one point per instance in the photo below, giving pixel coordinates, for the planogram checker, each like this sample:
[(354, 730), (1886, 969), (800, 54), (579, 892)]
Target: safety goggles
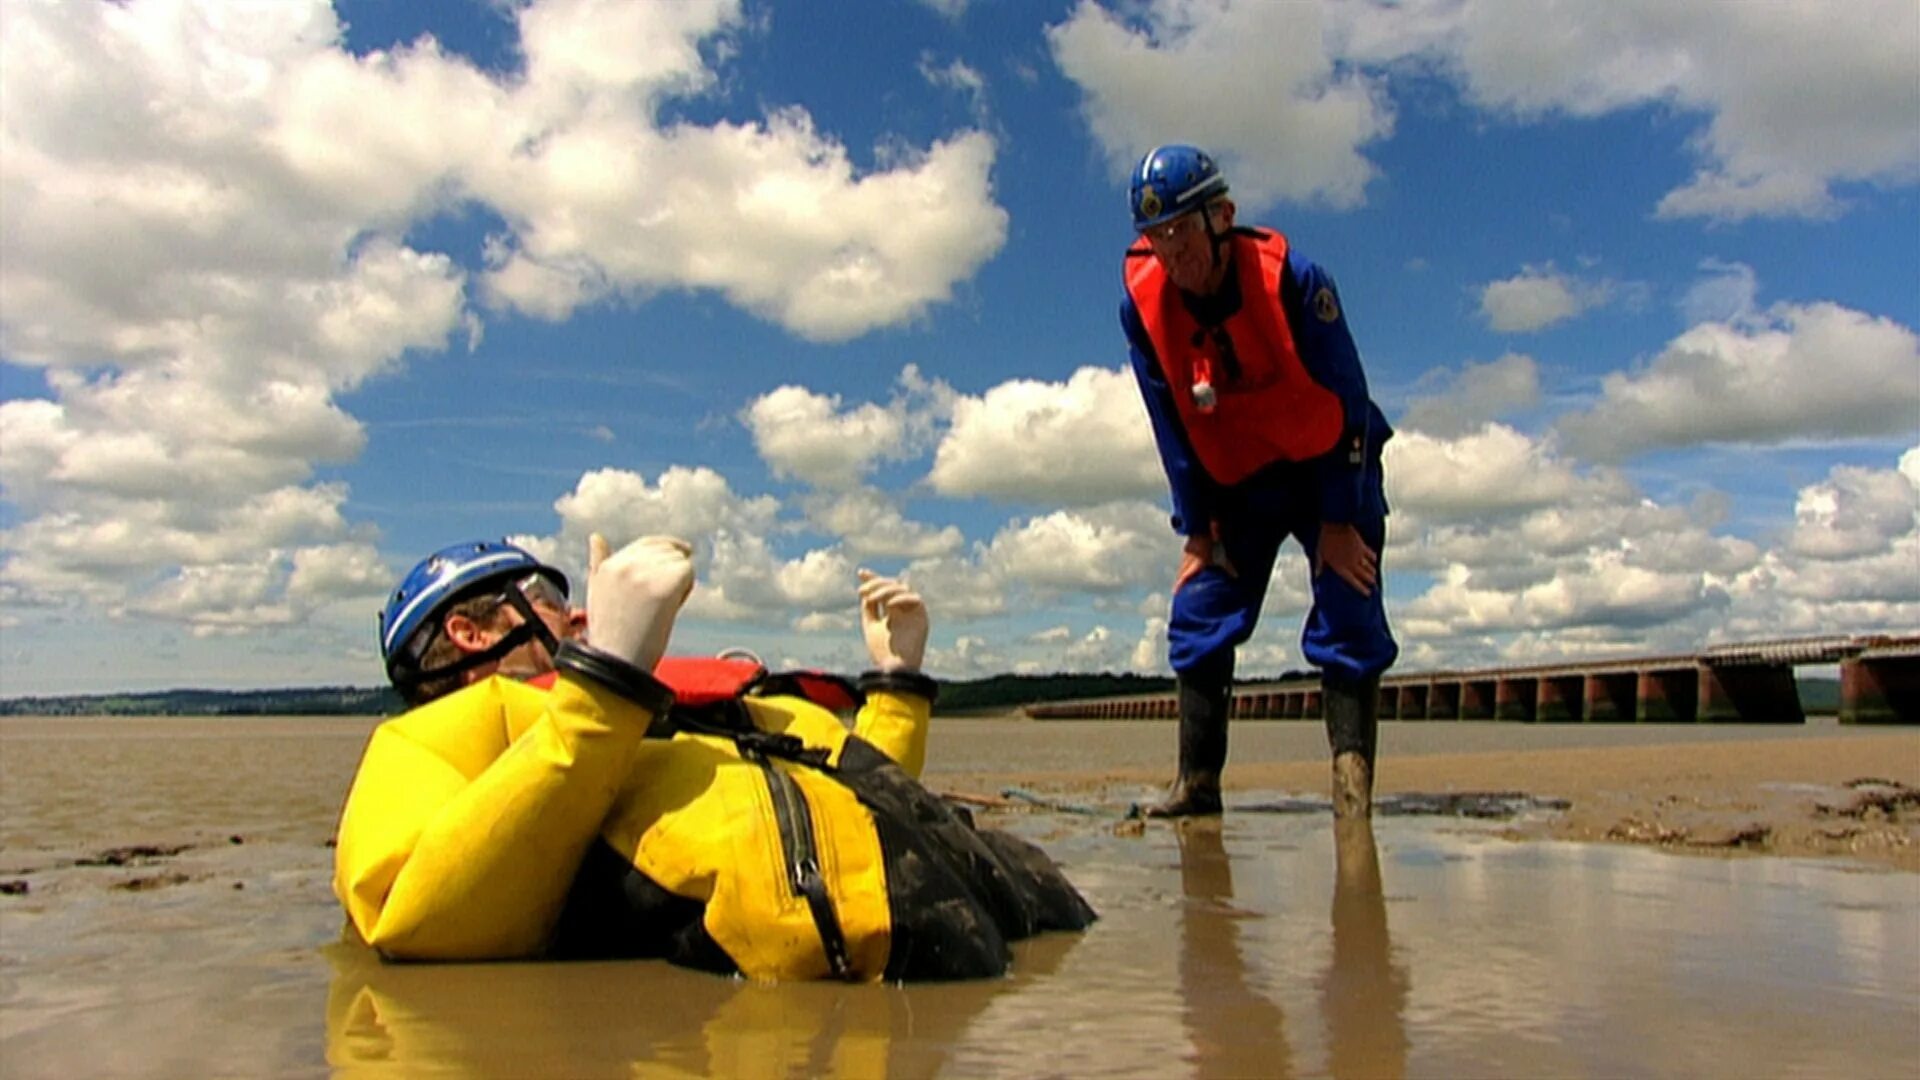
[(540, 591)]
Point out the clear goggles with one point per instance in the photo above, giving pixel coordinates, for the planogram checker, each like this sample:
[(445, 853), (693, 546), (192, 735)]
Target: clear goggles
[(540, 591)]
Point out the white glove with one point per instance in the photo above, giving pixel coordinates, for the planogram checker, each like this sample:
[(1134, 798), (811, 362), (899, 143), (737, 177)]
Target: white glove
[(633, 595), (893, 619)]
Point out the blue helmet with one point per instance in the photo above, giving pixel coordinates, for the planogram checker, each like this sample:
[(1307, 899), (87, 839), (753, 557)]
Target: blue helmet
[(1170, 181), (435, 583)]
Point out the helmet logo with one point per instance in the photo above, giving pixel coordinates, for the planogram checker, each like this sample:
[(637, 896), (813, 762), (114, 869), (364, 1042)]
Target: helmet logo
[(1150, 205)]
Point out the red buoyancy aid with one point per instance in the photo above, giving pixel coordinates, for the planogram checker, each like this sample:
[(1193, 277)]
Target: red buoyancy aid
[(1267, 410), (704, 680)]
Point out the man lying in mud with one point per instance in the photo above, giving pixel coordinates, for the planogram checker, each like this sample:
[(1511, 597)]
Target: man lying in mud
[(550, 796)]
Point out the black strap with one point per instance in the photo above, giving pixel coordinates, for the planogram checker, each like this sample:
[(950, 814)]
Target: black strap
[(620, 676)]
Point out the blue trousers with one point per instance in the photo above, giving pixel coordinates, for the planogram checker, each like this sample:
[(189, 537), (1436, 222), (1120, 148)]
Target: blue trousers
[(1346, 635)]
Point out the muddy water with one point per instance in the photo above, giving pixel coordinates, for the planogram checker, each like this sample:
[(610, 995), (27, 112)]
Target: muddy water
[(1263, 945)]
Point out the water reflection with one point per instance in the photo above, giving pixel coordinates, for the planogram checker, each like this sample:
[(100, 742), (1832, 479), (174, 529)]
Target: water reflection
[(1363, 994), (627, 1018), (1234, 1028)]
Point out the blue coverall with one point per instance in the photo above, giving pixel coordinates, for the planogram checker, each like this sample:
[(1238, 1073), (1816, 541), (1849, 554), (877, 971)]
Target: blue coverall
[(1346, 634)]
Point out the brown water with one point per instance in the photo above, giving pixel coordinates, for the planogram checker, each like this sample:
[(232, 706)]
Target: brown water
[(1265, 945)]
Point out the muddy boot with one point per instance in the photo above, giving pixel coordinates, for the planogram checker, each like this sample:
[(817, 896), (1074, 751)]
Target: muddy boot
[(1352, 786), (1352, 712), (1192, 795), (1203, 748)]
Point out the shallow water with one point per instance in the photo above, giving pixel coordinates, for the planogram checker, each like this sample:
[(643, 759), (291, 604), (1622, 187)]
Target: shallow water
[(1265, 944)]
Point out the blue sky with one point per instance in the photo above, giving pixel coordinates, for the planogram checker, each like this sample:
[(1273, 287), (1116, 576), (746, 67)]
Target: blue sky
[(291, 295)]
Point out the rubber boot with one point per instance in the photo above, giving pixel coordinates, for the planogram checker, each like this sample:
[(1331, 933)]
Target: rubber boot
[(1352, 713), (1203, 749)]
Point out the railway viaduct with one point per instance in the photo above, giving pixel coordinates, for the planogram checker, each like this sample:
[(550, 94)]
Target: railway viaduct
[(1749, 683)]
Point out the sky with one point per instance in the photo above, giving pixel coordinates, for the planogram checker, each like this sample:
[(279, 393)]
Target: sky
[(292, 294)]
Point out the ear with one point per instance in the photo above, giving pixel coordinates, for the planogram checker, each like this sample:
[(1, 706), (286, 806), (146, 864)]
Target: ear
[(1226, 214), (467, 635)]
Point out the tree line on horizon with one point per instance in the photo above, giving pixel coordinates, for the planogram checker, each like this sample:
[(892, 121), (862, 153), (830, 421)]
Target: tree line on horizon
[(998, 692)]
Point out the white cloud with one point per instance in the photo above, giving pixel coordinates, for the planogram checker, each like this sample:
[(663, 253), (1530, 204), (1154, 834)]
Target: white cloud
[(1082, 442), (201, 258), (1495, 470), (1102, 549), (1477, 394), (1799, 371), (1798, 97), (1251, 81), (1854, 513), (805, 435), (1538, 297), (960, 77), (869, 525), (689, 503), (743, 579), (1725, 292)]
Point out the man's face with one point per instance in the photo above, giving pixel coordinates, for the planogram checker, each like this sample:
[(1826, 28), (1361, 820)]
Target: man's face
[(1185, 250), (532, 659)]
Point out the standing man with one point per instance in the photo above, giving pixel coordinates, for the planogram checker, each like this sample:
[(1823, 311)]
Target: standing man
[(1261, 413)]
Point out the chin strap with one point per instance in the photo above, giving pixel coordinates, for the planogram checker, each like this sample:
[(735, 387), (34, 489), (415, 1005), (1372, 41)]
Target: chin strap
[(532, 628)]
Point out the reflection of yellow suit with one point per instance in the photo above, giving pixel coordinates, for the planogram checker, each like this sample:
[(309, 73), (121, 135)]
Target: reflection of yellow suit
[(651, 1020), (469, 816), (483, 822)]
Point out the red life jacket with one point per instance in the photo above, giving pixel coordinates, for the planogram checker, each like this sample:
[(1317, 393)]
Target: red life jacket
[(1267, 410), (705, 680)]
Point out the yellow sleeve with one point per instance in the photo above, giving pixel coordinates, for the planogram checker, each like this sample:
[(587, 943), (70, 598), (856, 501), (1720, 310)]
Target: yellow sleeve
[(469, 816), (896, 723)]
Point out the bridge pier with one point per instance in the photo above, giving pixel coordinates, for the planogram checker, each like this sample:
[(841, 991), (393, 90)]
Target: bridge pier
[(1610, 697), (1514, 699), (1670, 696), (1749, 694), (1477, 699), (1881, 688), (1560, 699), (1413, 702)]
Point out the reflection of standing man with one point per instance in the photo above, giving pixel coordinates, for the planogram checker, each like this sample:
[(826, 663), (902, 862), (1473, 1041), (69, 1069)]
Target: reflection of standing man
[(1260, 410), (1363, 996)]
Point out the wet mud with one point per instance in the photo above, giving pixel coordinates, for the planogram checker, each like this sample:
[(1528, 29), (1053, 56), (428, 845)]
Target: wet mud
[(174, 917)]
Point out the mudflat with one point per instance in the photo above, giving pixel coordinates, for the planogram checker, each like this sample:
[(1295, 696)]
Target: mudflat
[(167, 911)]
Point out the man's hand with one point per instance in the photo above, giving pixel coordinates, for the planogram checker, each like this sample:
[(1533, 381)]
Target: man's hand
[(893, 619), (1343, 551), (1201, 552), (633, 595)]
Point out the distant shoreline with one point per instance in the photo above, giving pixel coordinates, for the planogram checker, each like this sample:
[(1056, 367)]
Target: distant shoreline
[(995, 694)]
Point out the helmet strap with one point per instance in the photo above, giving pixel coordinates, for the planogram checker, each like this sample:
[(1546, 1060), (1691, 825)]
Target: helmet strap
[(532, 628), (1215, 239)]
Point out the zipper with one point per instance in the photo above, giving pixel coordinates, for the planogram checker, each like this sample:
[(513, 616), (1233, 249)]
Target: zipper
[(803, 865)]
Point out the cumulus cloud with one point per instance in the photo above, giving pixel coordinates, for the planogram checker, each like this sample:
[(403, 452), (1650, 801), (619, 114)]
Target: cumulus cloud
[(687, 502), (1797, 98), (1253, 82), (1799, 371), (201, 264), (870, 524), (1492, 471), (807, 436), (1029, 441), (1854, 513), (1538, 297), (1103, 549), (1609, 570), (1477, 394)]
